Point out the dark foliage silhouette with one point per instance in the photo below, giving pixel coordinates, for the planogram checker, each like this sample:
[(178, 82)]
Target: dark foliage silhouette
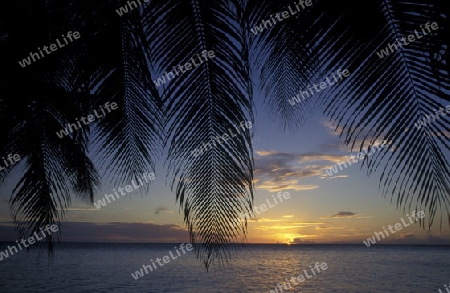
[(117, 57)]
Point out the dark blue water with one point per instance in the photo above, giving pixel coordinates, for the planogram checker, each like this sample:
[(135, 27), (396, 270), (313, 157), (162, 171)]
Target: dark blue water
[(255, 268)]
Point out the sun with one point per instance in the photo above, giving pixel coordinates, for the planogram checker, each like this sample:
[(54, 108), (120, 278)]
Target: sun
[(289, 238)]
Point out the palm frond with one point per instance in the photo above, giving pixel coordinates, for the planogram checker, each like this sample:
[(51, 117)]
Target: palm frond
[(52, 168), (382, 98), (385, 97), (283, 57), (202, 103), (127, 140)]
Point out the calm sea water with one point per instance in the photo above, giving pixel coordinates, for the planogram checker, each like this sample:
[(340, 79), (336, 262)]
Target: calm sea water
[(255, 268)]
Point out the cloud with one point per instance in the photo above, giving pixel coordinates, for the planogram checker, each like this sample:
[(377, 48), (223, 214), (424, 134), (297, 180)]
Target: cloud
[(287, 185), (162, 209), (333, 128), (299, 240), (410, 238), (309, 223), (338, 176), (111, 232), (280, 227), (337, 130), (263, 220), (331, 228), (345, 215), (359, 144), (266, 153), (288, 216), (278, 171)]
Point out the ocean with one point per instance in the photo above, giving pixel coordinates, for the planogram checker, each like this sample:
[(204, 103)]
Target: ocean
[(101, 267)]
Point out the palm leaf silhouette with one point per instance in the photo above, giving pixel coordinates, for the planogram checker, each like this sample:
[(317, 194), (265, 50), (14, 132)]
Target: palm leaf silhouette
[(118, 57), (383, 98), (53, 168), (388, 96), (201, 104)]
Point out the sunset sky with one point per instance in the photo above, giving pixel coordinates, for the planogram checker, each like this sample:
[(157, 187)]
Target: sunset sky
[(347, 207)]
